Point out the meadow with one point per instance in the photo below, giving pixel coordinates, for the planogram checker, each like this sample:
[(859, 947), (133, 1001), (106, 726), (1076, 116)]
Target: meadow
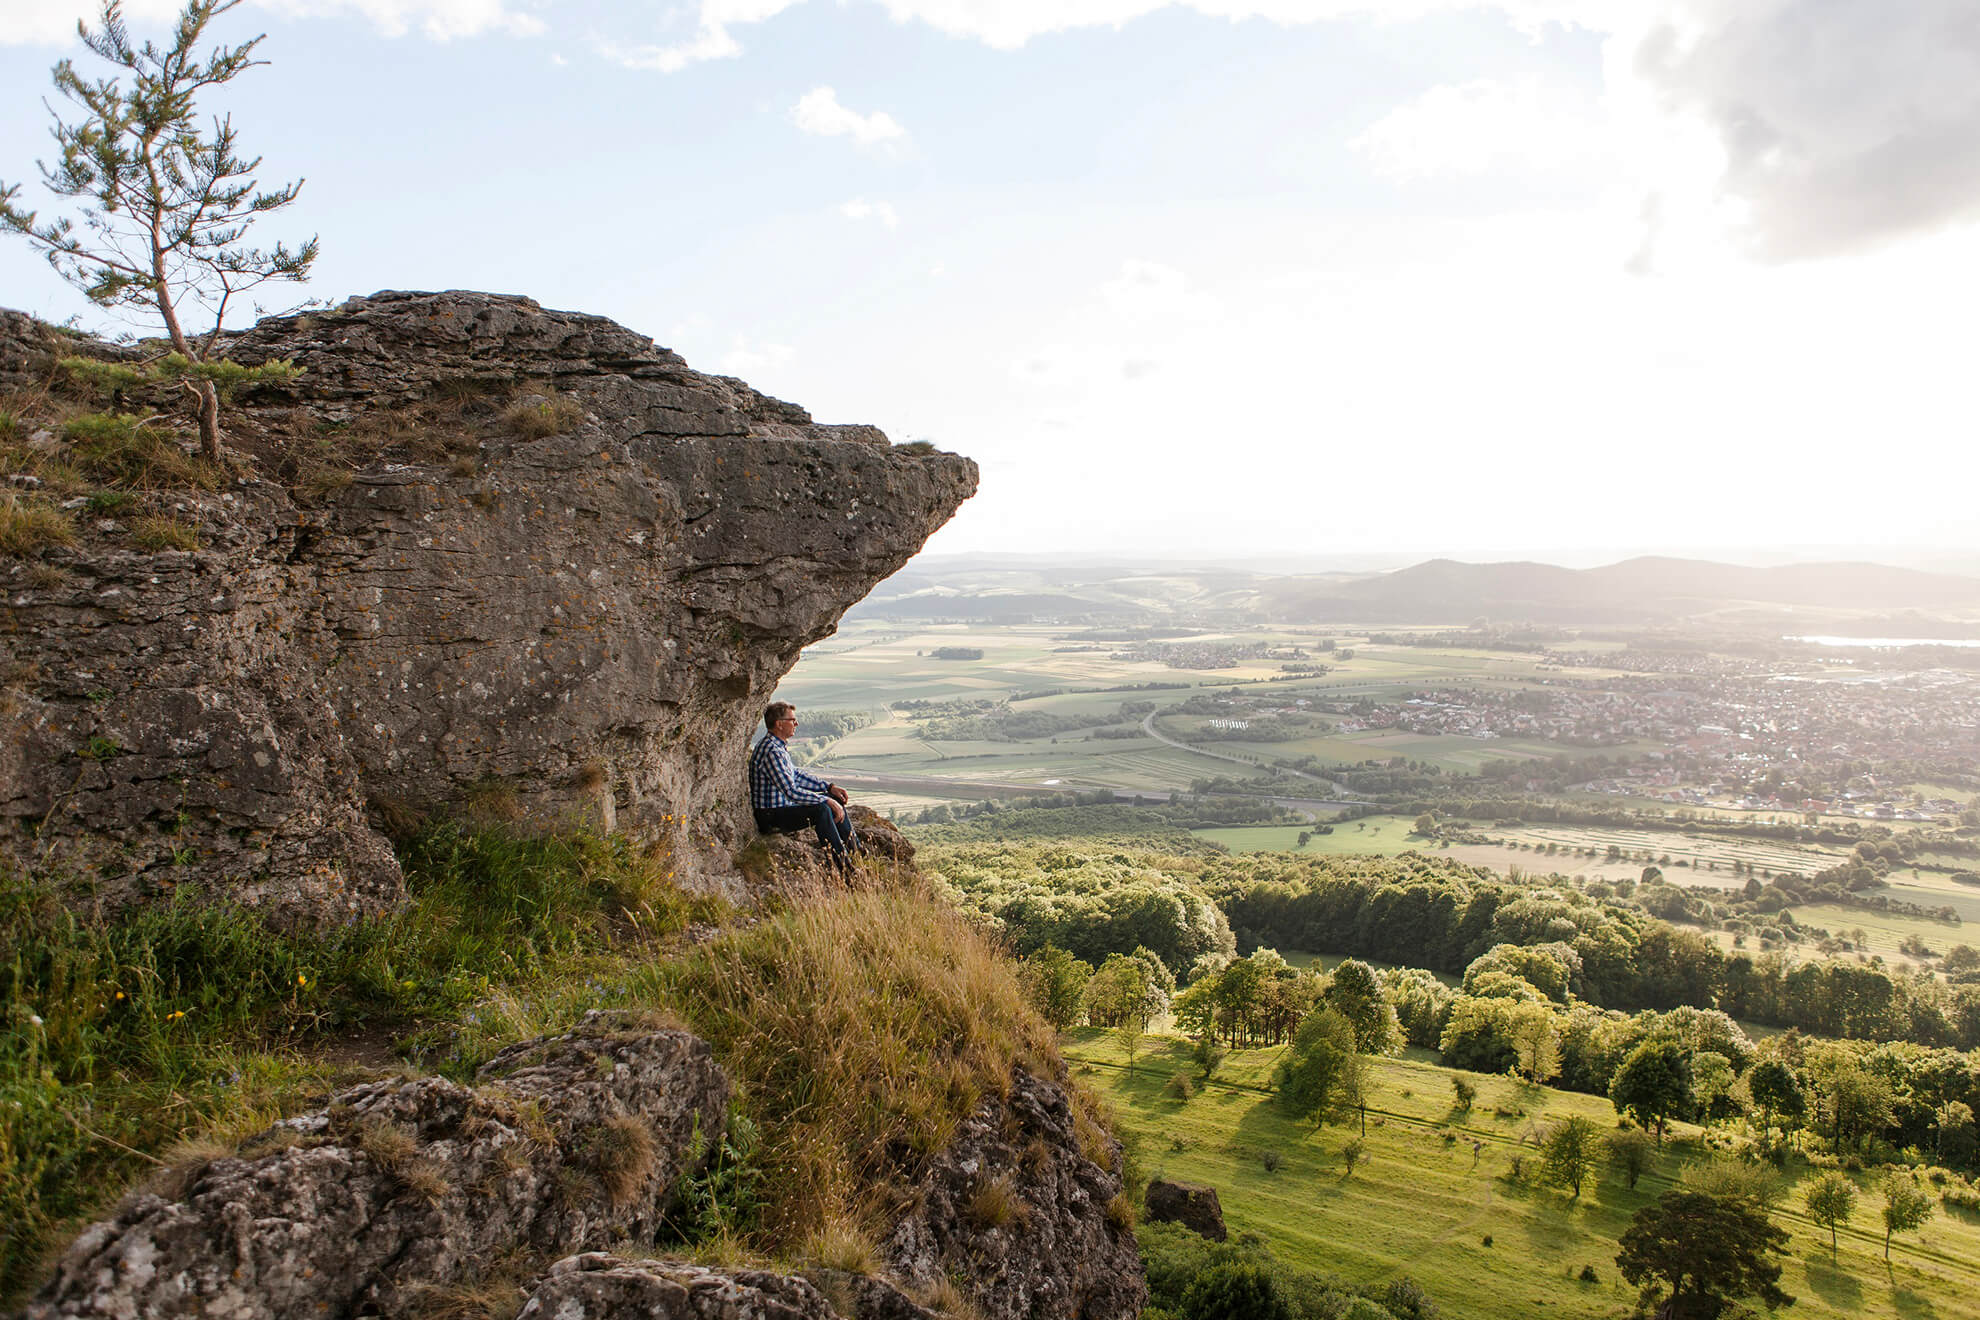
[(1435, 1197)]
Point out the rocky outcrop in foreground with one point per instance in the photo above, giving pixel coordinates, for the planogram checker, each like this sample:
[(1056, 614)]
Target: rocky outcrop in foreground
[(483, 552), (405, 1191), (401, 1187)]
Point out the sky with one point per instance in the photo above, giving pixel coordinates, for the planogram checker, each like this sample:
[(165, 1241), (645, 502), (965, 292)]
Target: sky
[(1306, 278)]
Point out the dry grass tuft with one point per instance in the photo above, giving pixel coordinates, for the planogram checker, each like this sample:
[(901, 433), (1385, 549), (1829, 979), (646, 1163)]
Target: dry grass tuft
[(465, 465), (621, 1151), (863, 1028), (121, 450), (390, 1146), (186, 1160), (162, 532), (1120, 1212), (996, 1204), (539, 417), (492, 1297), (490, 802), (843, 1245), (28, 525)]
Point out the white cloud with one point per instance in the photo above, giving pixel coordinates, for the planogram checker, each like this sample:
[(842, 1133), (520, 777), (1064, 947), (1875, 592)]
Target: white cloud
[(710, 43), (746, 359), (53, 22), (818, 112), (1842, 126), (861, 209), (1009, 24), (1485, 127)]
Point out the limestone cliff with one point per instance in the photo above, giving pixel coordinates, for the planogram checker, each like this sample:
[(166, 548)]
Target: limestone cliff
[(477, 549)]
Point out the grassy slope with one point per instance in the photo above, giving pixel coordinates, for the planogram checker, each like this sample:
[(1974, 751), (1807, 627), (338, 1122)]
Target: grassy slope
[(1422, 1207), (854, 1025)]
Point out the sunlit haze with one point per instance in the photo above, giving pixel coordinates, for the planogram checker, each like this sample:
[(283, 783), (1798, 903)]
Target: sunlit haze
[(1312, 278)]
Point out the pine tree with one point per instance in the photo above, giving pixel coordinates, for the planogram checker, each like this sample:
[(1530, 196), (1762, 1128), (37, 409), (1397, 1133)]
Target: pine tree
[(165, 203)]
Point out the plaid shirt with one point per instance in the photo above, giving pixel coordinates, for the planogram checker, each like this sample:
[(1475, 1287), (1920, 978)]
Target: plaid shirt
[(775, 782)]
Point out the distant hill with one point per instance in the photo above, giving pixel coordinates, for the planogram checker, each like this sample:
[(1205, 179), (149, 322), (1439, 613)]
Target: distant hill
[(1644, 590)]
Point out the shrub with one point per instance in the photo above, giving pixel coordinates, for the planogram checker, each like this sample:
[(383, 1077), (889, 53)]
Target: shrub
[(1180, 1086), (1233, 1291)]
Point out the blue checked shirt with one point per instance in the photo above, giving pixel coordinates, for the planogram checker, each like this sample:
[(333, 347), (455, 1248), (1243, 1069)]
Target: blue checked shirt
[(775, 782)]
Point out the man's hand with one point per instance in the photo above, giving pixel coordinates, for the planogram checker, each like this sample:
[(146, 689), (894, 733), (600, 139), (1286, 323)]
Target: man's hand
[(838, 812), (836, 793)]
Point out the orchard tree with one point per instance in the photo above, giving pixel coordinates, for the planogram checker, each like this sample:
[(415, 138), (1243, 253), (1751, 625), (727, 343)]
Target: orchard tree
[(165, 201), (1629, 1154), (1831, 1200), (1707, 1250), (1906, 1207), (1569, 1154)]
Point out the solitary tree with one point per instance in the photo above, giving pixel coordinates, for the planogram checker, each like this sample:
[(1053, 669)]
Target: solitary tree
[(1708, 1250), (1629, 1154), (165, 201), (1569, 1154), (1906, 1207), (1831, 1200)]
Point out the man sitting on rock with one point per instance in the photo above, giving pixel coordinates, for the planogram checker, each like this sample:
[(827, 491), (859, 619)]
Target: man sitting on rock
[(785, 798)]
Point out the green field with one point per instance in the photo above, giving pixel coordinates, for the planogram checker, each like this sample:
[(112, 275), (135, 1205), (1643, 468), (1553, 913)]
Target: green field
[(1424, 1207), (869, 665)]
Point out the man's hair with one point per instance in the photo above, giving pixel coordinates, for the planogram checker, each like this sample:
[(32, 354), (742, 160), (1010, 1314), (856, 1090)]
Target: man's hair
[(775, 711)]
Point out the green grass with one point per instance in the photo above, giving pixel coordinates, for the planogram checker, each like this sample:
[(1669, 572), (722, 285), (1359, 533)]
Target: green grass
[(1381, 836), (1421, 1206), (127, 1035), (856, 1027)]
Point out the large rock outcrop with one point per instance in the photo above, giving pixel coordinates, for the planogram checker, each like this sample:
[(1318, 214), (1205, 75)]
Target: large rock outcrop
[(483, 550), (400, 1187)]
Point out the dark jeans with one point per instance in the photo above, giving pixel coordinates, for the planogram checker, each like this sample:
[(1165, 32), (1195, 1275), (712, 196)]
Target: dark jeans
[(837, 835)]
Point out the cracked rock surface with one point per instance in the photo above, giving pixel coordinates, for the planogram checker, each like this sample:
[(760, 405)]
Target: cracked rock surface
[(401, 1186), (587, 621), (1016, 1210)]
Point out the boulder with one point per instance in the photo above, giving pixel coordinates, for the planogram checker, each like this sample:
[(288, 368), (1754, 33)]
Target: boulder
[(1192, 1205), (477, 551), (1022, 1218), (402, 1186)]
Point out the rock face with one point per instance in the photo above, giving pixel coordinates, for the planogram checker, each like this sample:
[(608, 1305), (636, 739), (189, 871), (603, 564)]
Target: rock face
[(575, 603), (398, 1187), (1018, 1211), (1193, 1206)]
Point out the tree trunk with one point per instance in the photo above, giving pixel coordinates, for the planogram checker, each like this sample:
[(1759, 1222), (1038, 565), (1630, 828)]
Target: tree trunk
[(209, 421)]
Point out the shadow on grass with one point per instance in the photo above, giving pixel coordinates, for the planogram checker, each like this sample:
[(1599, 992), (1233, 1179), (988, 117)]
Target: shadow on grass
[(1832, 1283), (1910, 1304)]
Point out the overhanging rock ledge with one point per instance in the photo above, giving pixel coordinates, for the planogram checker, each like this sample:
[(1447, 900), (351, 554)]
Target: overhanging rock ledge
[(579, 619)]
